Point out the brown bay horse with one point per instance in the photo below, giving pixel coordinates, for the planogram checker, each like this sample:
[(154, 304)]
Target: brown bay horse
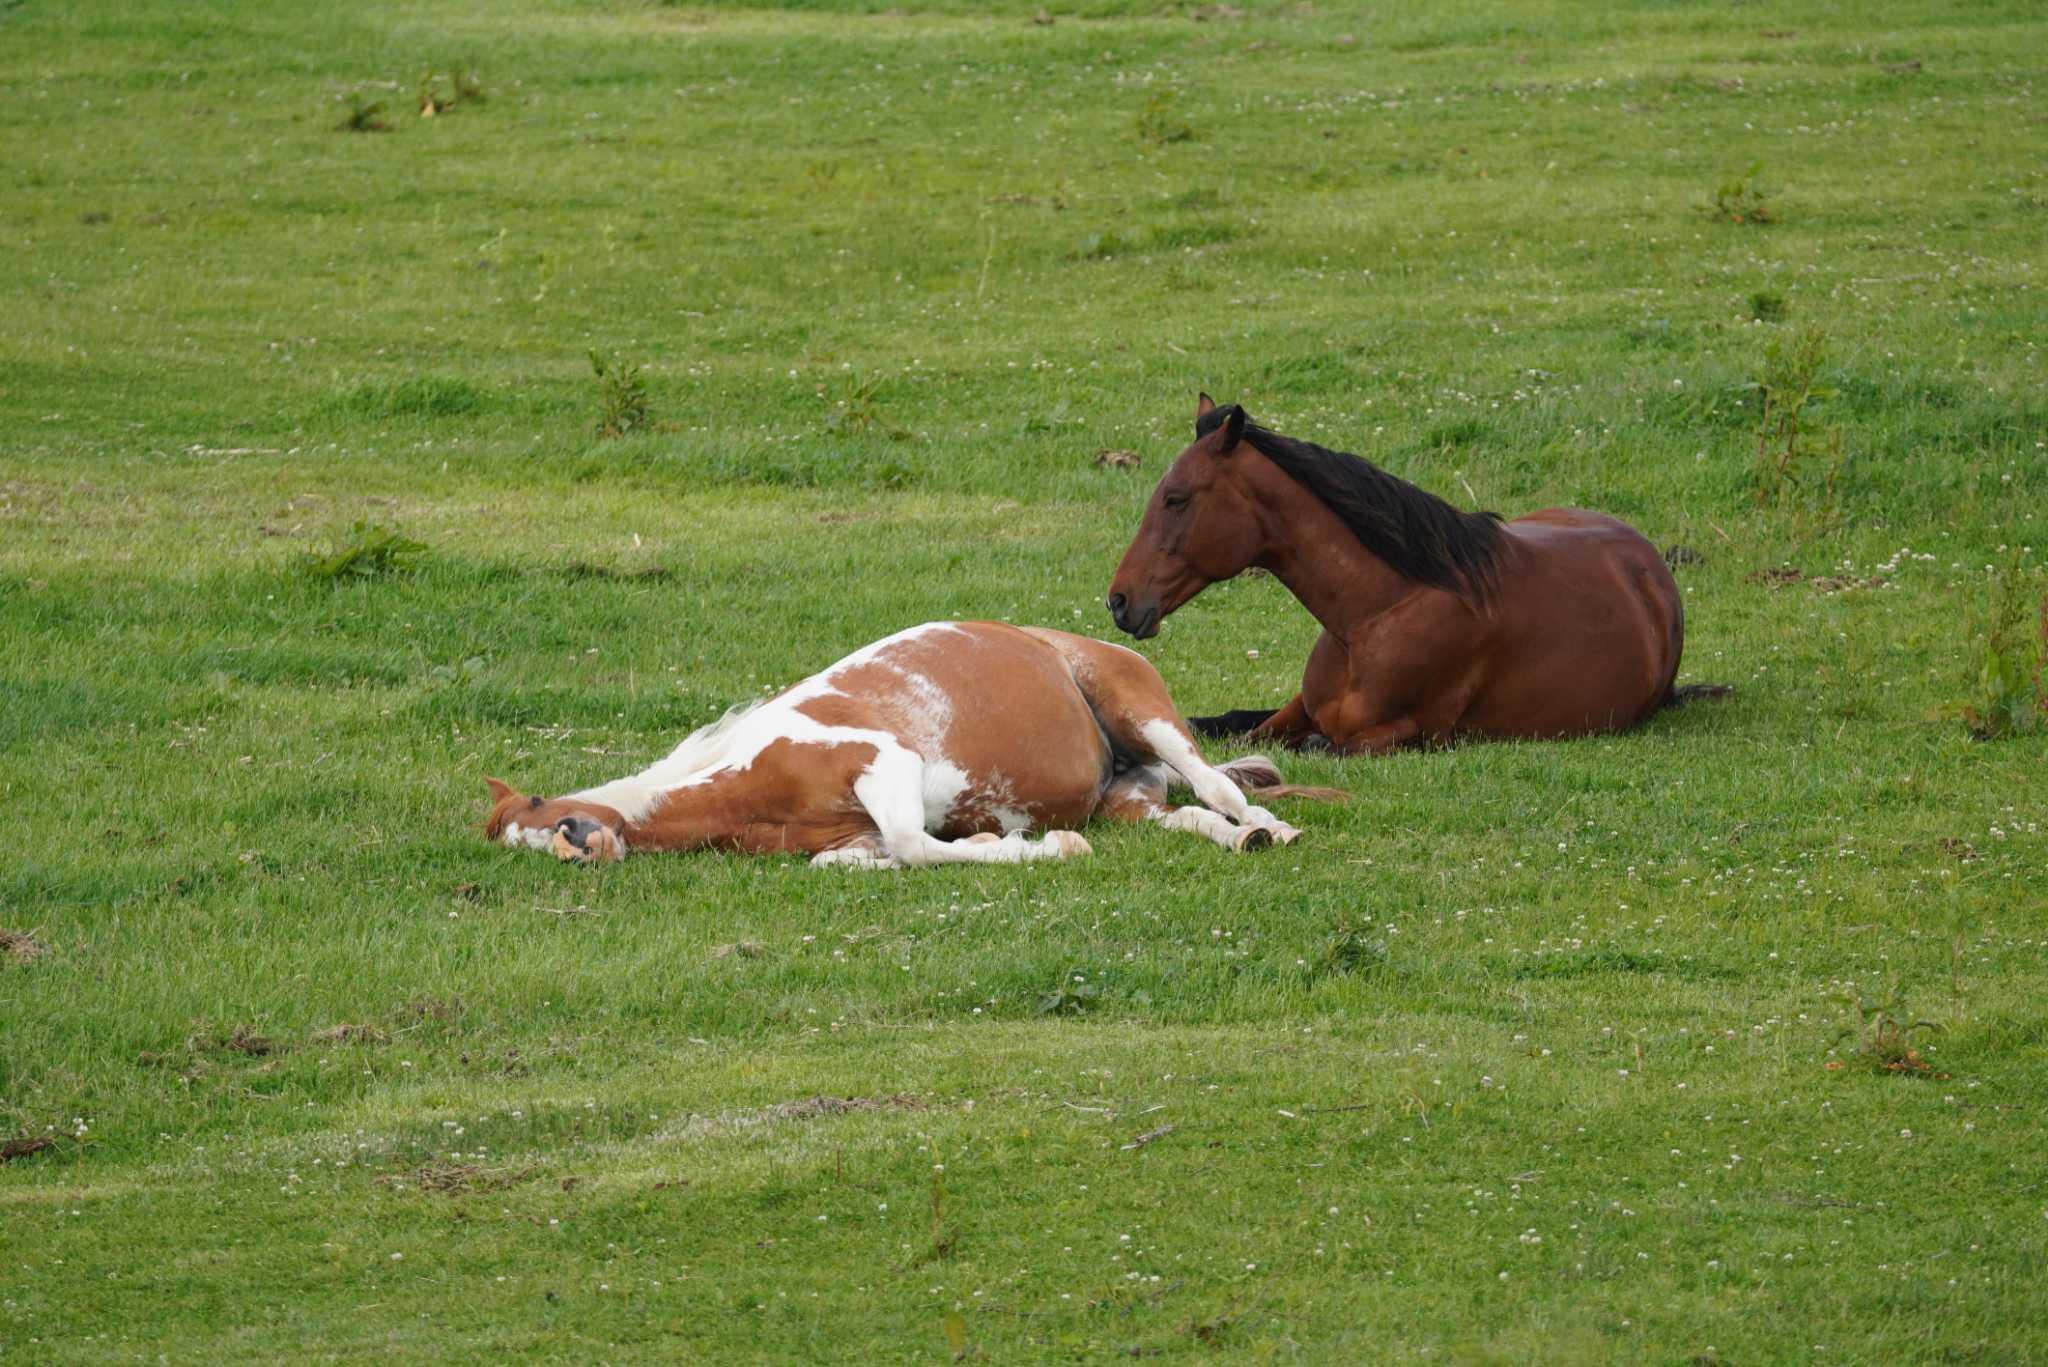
[(940, 744), (1438, 624)]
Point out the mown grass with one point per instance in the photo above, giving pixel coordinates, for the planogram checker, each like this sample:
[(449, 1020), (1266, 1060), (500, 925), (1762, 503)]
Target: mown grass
[(1530, 1052)]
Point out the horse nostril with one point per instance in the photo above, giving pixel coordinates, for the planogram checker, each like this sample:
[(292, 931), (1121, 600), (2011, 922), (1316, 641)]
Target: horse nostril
[(1116, 604)]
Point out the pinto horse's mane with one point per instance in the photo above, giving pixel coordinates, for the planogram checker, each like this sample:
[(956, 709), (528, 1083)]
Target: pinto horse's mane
[(1419, 535), (703, 750)]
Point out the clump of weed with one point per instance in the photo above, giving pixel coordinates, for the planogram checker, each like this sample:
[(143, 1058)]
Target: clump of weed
[(1798, 462), (2009, 635), (1881, 1033), (1157, 122), (858, 409), (1768, 306), (1346, 952), (369, 550), (1073, 995), (362, 116), (621, 396), (422, 397), (1740, 199), (1097, 246), (467, 84)]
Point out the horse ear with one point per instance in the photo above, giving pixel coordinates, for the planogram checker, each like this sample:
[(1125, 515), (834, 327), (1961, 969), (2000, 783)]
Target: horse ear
[(500, 790), (1203, 403), (1232, 430)]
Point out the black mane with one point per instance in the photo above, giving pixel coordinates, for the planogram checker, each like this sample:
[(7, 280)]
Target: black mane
[(1420, 535)]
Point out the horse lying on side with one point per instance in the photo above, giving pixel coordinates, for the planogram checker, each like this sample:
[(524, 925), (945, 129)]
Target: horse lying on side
[(941, 744)]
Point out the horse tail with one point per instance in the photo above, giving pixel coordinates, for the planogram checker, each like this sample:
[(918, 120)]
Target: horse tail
[(1260, 777), (1679, 697), (1235, 723)]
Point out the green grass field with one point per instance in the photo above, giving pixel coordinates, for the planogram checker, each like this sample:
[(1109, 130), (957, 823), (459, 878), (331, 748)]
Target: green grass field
[(1531, 1053)]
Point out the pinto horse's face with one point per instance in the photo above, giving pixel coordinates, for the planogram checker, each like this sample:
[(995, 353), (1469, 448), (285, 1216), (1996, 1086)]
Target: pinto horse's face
[(581, 832), (1199, 527)]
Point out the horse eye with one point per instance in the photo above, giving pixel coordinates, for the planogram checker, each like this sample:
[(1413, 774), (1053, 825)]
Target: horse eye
[(1176, 500), (533, 802)]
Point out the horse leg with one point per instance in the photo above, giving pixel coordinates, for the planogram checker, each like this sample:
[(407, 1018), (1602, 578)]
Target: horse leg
[(891, 789), (1290, 726), (1232, 723), (1140, 795), (863, 854), (1378, 740), (1136, 713)]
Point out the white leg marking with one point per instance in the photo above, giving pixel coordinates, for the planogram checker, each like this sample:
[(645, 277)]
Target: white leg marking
[(1213, 788), (1201, 821), (854, 857), (892, 791)]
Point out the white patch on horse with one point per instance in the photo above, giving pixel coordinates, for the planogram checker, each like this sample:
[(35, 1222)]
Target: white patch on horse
[(530, 837), (945, 784), (736, 740)]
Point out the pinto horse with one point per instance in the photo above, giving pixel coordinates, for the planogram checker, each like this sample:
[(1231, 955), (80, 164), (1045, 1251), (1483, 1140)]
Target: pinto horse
[(941, 744), (1437, 623)]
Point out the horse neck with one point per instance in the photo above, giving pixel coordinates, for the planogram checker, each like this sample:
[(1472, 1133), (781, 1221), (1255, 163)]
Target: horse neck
[(692, 816), (1320, 559)]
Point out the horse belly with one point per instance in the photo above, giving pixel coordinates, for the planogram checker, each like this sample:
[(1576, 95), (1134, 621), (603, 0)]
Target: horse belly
[(1006, 739), (1053, 784)]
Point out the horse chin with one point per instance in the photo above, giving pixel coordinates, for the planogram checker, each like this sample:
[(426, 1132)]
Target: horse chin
[(1141, 626)]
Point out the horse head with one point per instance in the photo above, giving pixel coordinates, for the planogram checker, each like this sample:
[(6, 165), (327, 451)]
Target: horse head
[(1199, 527), (568, 828)]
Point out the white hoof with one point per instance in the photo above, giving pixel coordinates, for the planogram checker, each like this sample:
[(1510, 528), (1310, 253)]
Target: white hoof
[(1249, 838), (982, 838), (1066, 845)]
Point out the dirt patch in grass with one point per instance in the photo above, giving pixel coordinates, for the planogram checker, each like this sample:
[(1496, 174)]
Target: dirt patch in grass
[(802, 1110), (813, 1107), (348, 1032), (459, 1177), (241, 1040), (23, 1147), (577, 570), (1778, 576), (20, 947)]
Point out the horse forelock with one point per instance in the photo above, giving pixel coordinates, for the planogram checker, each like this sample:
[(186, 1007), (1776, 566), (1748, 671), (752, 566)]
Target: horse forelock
[(1421, 536)]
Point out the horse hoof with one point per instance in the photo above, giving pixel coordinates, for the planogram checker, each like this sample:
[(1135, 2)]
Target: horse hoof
[(1067, 844), (1284, 834), (563, 848), (982, 838), (1251, 838)]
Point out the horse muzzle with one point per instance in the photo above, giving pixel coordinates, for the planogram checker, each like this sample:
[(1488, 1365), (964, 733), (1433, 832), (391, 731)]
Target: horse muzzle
[(581, 840), (1141, 621)]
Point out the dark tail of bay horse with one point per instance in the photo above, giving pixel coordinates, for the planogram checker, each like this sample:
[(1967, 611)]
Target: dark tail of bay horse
[(1246, 719)]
